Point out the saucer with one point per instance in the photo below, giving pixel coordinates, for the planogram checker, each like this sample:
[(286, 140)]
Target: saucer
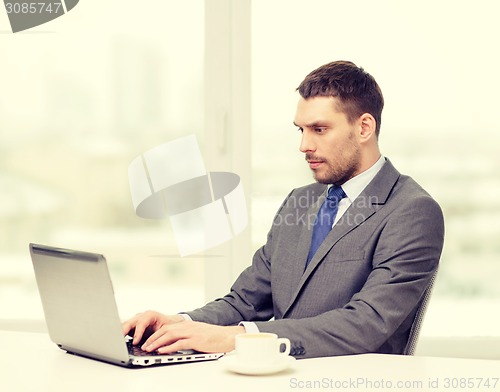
[(233, 363)]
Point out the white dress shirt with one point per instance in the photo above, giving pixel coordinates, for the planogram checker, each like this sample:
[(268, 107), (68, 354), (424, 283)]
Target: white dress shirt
[(356, 185)]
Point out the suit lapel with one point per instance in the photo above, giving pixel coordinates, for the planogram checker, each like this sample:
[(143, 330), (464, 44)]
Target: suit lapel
[(373, 197), (305, 241)]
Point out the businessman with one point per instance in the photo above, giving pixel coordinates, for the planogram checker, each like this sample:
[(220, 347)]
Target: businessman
[(347, 259)]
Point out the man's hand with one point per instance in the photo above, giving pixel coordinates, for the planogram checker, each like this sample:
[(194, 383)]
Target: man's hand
[(193, 335), (148, 322), (170, 333)]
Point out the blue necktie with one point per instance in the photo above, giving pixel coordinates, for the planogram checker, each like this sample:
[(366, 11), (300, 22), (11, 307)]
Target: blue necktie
[(325, 218)]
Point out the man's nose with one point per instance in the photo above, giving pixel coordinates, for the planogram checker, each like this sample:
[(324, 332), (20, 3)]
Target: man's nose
[(306, 143)]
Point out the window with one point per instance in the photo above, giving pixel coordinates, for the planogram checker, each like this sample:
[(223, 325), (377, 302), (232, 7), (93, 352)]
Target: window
[(79, 103), (437, 72)]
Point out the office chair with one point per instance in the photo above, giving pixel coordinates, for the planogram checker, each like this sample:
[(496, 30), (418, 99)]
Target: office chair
[(419, 318)]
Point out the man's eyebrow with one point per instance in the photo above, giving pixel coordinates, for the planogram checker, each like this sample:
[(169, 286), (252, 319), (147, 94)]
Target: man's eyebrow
[(315, 124)]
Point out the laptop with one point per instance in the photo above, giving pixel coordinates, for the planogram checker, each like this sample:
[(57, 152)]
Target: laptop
[(81, 313)]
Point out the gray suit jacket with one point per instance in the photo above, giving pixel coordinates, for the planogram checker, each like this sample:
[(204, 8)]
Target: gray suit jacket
[(363, 286)]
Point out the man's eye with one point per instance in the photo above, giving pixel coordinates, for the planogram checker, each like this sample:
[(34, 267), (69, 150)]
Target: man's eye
[(301, 130), (319, 130)]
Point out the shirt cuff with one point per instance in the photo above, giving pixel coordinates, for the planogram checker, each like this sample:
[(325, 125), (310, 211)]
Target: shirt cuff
[(249, 327)]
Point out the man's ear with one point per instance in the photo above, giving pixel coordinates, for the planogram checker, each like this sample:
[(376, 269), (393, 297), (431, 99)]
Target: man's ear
[(367, 126)]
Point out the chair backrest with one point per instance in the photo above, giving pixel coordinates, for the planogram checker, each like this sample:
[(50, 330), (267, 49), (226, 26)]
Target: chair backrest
[(419, 318)]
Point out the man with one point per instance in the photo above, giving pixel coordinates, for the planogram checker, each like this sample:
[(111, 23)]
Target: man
[(358, 289)]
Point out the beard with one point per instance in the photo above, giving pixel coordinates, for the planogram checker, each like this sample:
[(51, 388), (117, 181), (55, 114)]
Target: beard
[(340, 168)]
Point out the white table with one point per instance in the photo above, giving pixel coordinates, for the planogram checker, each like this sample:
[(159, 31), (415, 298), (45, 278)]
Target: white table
[(34, 363)]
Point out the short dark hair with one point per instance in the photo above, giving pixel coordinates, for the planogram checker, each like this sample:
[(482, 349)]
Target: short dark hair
[(357, 90)]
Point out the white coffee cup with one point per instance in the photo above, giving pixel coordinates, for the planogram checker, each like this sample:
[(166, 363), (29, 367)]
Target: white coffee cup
[(261, 347)]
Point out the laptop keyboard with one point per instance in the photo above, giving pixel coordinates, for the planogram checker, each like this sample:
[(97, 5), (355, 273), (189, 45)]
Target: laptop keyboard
[(138, 351)]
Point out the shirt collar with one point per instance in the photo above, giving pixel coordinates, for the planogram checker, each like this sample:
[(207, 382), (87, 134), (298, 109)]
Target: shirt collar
[(355, 185)]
